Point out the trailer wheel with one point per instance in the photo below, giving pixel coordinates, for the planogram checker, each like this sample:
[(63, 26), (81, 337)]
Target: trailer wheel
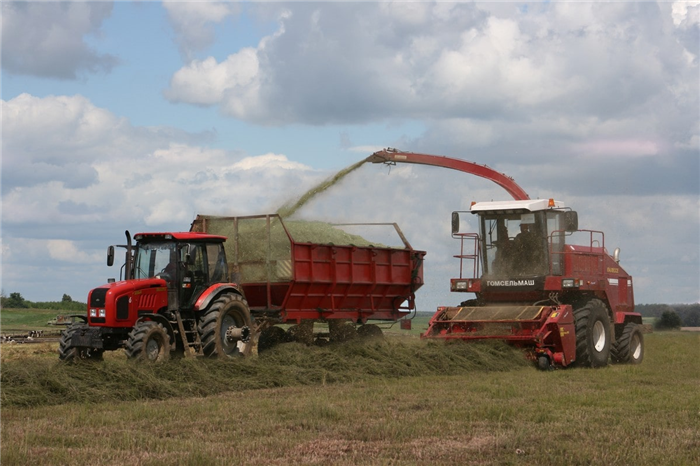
[(148, 341), (225, 327), (302, 333), (370, 332), (341, 331), (629, 348), (592, 334), (271, 337), (76, 353)]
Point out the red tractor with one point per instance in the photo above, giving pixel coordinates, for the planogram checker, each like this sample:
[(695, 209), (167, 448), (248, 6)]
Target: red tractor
[(564, 302), (176, 297)]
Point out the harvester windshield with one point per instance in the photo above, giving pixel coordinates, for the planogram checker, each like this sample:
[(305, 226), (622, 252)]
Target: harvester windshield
[(517, 243)]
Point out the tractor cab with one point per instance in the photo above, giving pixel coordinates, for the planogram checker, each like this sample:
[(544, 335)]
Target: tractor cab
[(188, 262)]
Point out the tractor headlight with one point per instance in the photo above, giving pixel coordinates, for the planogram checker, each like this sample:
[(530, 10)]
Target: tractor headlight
[(102, 313), (93, 312)]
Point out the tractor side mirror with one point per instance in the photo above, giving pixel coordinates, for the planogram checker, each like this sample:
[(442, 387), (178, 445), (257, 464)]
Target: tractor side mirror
[(187, 254), (571, 221), (110, 256), (455, 223)]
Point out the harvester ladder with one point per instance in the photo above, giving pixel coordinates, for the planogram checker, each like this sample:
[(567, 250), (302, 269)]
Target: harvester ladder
[(468, 252)]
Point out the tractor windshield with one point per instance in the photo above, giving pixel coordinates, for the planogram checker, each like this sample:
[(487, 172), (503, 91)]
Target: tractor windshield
[(514, 244), (155, 258)]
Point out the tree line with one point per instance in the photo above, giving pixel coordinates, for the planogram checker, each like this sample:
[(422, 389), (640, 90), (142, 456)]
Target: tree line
[(16, 301), (671, 315)]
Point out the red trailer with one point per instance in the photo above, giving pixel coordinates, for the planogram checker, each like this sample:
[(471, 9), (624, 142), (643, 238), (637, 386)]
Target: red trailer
[(298, 272)]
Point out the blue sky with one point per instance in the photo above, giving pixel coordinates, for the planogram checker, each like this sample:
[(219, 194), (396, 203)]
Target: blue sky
[(139, 115)]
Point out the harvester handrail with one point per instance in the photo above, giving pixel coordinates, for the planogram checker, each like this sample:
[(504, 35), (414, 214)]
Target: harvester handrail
[(591, 250), (467, 257)]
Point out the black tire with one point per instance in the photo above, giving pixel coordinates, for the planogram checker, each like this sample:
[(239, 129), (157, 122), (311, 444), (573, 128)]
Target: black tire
[(629, 348), (592, 334), (301, 333), (226, 327), (341, 331), (271, 337), (75, 353), (370, 332), (148, 341)]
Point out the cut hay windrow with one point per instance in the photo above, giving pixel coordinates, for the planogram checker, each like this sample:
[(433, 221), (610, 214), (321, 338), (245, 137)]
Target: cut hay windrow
[(47, 382)]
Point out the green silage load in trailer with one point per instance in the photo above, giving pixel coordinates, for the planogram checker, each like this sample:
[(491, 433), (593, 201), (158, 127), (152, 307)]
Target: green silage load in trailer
[(259, 255)]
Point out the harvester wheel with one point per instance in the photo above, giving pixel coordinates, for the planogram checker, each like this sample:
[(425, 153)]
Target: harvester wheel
[(226, 327), (271, 337), (148, 341), (592, 334), (74, 353), (370, 332), (629, 348)]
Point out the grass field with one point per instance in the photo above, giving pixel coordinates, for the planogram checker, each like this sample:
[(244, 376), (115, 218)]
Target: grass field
[(402, 401)]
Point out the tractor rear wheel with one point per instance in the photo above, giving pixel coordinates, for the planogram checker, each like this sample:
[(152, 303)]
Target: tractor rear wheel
[(148, 341), (76, 353), (629, 348), (592, 334), (226, 327), (271, 337)]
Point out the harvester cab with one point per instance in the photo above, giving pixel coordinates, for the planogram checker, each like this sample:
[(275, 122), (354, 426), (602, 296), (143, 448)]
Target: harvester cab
[(517, 239)]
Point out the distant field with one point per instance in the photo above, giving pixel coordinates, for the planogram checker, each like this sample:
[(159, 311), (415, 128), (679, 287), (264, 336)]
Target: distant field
[(28, 319), (402, 401)]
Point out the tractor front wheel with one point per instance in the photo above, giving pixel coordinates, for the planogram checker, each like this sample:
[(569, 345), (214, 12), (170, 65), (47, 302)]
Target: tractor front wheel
[(76, 353), (629, 348), (592, 334), (148, 341), (226, 327)]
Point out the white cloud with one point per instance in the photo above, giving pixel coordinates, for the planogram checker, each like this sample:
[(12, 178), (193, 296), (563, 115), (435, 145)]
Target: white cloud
[(193, 22), (686, 13), (235, 81), (480, 62), (48, 39), (68, 251)]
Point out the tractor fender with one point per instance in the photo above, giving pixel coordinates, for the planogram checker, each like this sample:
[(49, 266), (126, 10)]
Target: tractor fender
[(161, 319), (213, 292)]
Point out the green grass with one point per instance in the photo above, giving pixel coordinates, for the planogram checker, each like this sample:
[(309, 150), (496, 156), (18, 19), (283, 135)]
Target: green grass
[(29, 319), (400, 402)]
